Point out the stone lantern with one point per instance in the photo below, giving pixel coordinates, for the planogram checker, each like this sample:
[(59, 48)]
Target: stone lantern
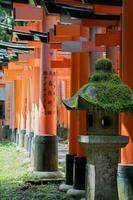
[(103, 98)]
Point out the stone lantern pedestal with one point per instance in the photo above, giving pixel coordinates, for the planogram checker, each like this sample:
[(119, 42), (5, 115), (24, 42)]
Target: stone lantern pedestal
[(102, 163)]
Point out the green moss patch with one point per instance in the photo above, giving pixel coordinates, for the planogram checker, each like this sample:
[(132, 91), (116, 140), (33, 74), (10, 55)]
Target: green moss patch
[(104, 91), (16, 183)]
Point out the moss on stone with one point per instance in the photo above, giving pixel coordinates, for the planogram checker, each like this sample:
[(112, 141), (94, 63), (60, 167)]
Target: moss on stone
[(104, 91)]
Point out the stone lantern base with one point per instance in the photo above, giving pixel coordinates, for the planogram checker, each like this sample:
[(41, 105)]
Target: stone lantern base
[(102, 163)]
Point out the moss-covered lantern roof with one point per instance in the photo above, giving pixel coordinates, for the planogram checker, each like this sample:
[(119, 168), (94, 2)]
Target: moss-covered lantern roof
[(104, 91)]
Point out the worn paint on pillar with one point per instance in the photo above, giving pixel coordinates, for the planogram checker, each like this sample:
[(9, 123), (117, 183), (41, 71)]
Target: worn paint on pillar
[(127, 77), (48, 120)]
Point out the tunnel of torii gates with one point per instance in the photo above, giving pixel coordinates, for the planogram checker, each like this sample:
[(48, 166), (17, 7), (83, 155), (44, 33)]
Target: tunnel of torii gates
[(56, 56)]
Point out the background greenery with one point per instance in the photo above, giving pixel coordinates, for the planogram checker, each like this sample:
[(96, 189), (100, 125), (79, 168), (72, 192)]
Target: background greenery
[(16, 182)]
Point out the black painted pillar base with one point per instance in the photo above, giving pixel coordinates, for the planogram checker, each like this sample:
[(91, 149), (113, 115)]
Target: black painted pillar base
[(125, 181), (9, 135), (69, 174), (21, 138), (45, 161), (5, 131), (78, 190), (17, 137), (13, 135), (30, 138), (27, 142), (26, 137)]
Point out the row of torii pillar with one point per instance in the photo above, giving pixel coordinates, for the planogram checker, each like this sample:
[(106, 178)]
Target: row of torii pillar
[(37, 82)]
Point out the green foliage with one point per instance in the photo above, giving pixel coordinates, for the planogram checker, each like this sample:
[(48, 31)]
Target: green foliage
[(15, 179), (104, 91), (103, 64), (5, 24)]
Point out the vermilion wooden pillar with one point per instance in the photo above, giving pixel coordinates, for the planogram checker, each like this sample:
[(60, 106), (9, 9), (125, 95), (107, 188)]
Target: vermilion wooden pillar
[(48, 115), (18, 100), (74, 85), (36, 75), (16, 103), (23, 104), (7, 104), (84, 76), (28, 109), (46, 156), (47, 108), (127, 76), (22, 131), (94, 55), (6, 129), (113, 53)]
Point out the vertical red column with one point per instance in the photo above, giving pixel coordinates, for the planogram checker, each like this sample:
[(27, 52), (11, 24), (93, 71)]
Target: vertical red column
[(36, 74), (18, 99), (127, 77), (46, 156), (74, 85), (80, 159), (76, 160), (23, 113)]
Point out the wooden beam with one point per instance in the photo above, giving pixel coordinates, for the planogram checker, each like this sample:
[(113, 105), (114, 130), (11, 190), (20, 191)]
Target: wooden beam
[(74, 3), (35, 44), (22, 5), (34, 62), (26, 14), (58, 39), (24, 57), (17, 65), (108, 39), (26, 29), (56, 46), (77, 46), (66, 63), (69, 29), (107, 9), (102, 23), (61, 38), (66, 19), (24, 75), (10, 75)]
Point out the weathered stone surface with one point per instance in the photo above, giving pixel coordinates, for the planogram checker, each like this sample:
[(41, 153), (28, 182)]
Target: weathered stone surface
[(45, 153), (26, 136), (13, 136), (47, 175), (77, 194), (64, 187), (4, 131), (101, 169), (21, 138)]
